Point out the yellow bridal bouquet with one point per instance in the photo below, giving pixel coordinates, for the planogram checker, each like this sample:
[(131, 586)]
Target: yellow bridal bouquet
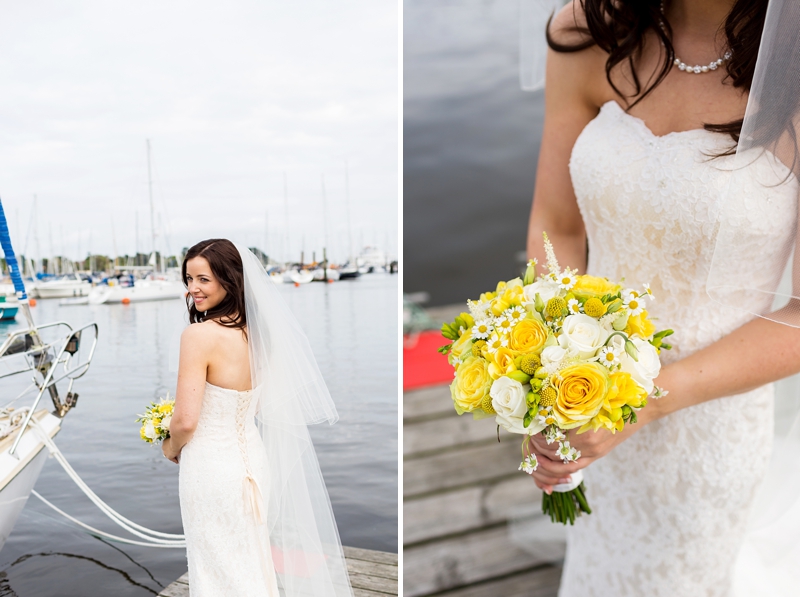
[(156, 419), (553, 353)]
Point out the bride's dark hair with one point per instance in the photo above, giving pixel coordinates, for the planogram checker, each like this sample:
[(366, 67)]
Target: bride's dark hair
[(226, 265), (618, 27)]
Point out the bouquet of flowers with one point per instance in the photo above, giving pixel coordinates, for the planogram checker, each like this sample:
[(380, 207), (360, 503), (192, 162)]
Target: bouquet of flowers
[(156, 419), (552, 353)]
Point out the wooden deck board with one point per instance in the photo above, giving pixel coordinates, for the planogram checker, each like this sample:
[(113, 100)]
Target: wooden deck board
[(372, 574), (461, 489)]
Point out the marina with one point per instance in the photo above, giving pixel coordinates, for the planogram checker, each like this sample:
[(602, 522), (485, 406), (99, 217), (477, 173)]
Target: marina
[(136, 361), (465, 523)]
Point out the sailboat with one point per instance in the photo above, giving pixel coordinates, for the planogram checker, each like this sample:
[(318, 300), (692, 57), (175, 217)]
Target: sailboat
[(55, 354)]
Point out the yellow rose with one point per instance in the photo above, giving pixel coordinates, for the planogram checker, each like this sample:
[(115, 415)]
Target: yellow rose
[(581, 392), (165, 408), (624, 390), (640, 326), (587, 287), (528, 336), (502, 362), (460, 348), (471, 384)]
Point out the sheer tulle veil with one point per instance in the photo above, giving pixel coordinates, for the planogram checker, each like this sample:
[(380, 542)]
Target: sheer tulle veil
[(291, 395)]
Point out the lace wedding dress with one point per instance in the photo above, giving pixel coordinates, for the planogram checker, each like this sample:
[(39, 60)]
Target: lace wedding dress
[(670, 504), (223, 472)]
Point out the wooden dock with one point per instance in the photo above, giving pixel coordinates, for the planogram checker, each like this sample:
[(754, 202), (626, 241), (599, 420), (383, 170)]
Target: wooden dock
[(372, 574), (460, 489)]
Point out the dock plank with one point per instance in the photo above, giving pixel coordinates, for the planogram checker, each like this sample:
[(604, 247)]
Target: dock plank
[(462, 560), (478, 506), (372, 574), (462, 492), (539, 582)]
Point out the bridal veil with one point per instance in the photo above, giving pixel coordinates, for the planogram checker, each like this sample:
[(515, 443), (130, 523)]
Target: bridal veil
[(291, 395)]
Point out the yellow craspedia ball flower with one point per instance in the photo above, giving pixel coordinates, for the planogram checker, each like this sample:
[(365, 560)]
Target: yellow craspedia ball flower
[(594, 307), (486, 405), (530, 363), (581, 390), (471, 384), (593, 287), (529, 335), (549, 396), (477, 347), (640, 325), (555, 306)]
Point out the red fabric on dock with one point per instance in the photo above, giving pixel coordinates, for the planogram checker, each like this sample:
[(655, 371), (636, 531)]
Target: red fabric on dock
[(422, 365)]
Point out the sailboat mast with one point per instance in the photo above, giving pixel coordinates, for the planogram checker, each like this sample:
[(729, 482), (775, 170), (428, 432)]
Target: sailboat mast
[(288, 250), (351, 258), (152, 209)]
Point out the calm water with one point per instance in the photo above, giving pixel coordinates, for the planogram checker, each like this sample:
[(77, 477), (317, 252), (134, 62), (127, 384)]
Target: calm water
[(353, 330), (471, 143)]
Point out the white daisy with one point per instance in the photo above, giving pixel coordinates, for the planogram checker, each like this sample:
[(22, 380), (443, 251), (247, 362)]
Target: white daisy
[(609, 356), (545, 416), (573, 306), (482, 329), (554, 434), (566, 280), (503, 324), (567, 453), (515, 314), (648, 292), (496, 341), (634, 304), (530, 464)]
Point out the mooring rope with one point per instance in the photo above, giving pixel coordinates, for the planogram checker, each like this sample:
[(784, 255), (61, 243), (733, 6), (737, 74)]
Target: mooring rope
[(151, 538)]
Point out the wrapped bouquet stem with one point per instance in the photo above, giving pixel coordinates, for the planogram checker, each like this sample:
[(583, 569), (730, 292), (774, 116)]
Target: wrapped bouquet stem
[(554, 353)]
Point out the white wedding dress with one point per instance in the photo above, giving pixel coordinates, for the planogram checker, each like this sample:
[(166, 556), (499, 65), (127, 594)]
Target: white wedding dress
[(222, 470), (670, 504)]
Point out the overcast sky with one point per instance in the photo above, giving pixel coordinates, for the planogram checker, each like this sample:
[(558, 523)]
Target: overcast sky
[(233, 96)]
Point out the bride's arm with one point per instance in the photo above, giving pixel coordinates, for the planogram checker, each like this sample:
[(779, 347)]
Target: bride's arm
[(759, 352), (192, 368), (570, 103)]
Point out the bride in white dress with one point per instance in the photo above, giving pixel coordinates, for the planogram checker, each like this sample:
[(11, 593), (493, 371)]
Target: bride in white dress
[(255, 512), (628, 169)]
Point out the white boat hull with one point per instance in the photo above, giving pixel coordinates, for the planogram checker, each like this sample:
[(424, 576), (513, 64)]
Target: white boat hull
[(319, 274), (301, 277), (62, 289), (17, 477), (277, 278), (143, 290)]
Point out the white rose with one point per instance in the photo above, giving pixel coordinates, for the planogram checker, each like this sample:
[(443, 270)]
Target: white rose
[(584, 334), (553, 355), (547, 289), (647, 368), (149, 430), (508, 399), (166, 421)]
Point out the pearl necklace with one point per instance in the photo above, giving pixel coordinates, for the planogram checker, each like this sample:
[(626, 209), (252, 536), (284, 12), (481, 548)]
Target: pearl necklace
[(698, 68)]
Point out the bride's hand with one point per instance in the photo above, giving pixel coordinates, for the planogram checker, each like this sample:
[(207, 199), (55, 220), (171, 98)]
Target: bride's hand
[(169, 453), (592, 445)]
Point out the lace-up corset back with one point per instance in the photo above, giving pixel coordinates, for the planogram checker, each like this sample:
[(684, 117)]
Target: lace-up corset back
[(223, 478)]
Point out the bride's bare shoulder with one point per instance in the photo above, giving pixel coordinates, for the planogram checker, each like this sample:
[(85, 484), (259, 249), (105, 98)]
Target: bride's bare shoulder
[(575, 65)]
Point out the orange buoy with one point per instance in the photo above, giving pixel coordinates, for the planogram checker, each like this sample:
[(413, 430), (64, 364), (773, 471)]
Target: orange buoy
[(32, 302), (330, 281), (296, 284), (126, 301)]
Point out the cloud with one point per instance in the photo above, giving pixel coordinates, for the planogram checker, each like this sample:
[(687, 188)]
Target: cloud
[(232, 96)]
